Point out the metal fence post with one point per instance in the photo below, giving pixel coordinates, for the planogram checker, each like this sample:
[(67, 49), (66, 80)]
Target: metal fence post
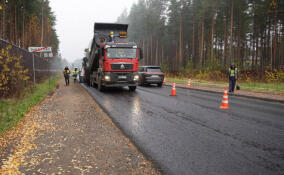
[(34, 67), (48, 61)]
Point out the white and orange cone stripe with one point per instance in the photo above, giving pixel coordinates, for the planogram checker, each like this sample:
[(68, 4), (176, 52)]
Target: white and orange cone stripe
[(188, 83), (225, 100), (173, 93)]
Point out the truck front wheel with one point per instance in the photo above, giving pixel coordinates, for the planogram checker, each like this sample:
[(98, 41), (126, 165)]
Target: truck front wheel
[(132, 88)]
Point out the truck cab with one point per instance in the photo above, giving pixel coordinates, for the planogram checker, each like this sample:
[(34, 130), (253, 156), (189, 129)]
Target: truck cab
[(113, 60)]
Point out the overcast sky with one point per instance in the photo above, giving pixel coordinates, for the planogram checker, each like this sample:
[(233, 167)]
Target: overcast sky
[(76, 18)]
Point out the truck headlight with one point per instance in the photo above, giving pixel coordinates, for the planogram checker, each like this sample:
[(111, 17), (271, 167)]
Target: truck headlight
[(107, 77), (136, 77)]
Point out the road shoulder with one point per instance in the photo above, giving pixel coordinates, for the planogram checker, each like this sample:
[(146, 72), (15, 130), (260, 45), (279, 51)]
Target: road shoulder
[(68, 133)]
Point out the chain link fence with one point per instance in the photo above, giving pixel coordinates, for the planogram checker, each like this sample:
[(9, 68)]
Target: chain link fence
[(32, 68), (41, 65)]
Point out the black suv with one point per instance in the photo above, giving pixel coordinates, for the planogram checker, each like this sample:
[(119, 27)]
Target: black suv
[(151, 75)]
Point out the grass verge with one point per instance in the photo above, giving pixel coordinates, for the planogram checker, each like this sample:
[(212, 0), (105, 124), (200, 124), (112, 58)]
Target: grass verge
[(253, 86), (13, 110)]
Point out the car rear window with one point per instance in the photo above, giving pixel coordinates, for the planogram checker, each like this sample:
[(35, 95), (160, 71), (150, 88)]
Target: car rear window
[(153, 69)]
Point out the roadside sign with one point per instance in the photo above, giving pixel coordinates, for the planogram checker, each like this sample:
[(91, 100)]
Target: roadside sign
[(47, 54), (40, 49)]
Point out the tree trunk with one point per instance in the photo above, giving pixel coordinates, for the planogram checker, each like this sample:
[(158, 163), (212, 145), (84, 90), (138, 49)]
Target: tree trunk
[(275, 44), (157, 45), (252, 50), (151, 47), (147, 57), (282, 60), (180, 42), (225, 38), (268, 52), (15, 26), (239, 41), (162, 57), (193, 41), (4, 21), (143, 51), (261, 51), (23, 25), (201, 43), (10, 22), (176, 58), (212, 35), (231, 59), (42, 26), (256, 48), (245, 54)]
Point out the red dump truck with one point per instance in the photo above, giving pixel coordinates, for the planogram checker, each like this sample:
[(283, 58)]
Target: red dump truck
[(112, 61)]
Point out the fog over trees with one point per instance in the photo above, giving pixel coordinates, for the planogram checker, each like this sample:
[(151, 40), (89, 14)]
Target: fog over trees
[(208, 34)]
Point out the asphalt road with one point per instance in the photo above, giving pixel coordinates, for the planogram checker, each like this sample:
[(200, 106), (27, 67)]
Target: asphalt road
[(189, 134)]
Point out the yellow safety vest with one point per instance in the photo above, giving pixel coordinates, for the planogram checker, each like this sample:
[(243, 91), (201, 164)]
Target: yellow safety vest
[(66, 71), (75, 72), (233, 72)]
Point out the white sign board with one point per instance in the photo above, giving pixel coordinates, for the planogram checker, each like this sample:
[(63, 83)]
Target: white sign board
[(48, 54), (40, 49)]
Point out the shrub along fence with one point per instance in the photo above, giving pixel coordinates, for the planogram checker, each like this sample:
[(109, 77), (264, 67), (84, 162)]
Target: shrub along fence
[(17, 70)]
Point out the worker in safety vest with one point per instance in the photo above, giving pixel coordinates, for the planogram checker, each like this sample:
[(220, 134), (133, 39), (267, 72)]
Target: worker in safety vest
[(66, 73), (75, 74), (233, 75), (111, 37)]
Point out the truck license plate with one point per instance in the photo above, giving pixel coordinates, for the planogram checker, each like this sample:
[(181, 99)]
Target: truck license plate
[(122, 77), (155, 76)]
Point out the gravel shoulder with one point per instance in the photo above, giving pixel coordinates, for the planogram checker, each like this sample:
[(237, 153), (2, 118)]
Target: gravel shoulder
[(68, 133)]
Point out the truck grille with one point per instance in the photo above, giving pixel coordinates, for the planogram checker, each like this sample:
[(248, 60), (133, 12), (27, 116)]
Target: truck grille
[(121, 66)]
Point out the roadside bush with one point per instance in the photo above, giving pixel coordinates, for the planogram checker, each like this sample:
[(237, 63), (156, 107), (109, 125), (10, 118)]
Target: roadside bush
[(202, 75), (12, 73), (274, 76), (211, 75)]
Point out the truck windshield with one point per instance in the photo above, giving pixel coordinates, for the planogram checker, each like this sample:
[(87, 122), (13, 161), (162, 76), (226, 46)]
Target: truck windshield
[(121, 53)]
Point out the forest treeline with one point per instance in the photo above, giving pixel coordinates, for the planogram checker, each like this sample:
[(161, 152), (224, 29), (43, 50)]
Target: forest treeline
[(28, 23), (209, 34)]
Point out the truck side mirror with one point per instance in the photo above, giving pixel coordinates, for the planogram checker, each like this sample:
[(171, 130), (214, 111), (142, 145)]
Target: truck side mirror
[(140, 54)]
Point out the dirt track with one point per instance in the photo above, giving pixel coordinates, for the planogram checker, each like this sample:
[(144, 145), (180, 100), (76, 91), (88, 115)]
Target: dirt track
[(68, 133)]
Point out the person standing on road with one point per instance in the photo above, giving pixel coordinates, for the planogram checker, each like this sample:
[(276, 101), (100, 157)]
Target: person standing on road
[(66, 73), (233, 76), (75, 74)]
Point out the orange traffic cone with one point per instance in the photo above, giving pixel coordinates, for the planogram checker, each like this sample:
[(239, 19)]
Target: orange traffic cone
[(165, 80), (225, 100), (188, 83), (173, 90)]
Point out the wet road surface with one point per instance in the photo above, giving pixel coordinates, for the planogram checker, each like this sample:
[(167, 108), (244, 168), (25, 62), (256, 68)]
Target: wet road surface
[(189, 134)]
